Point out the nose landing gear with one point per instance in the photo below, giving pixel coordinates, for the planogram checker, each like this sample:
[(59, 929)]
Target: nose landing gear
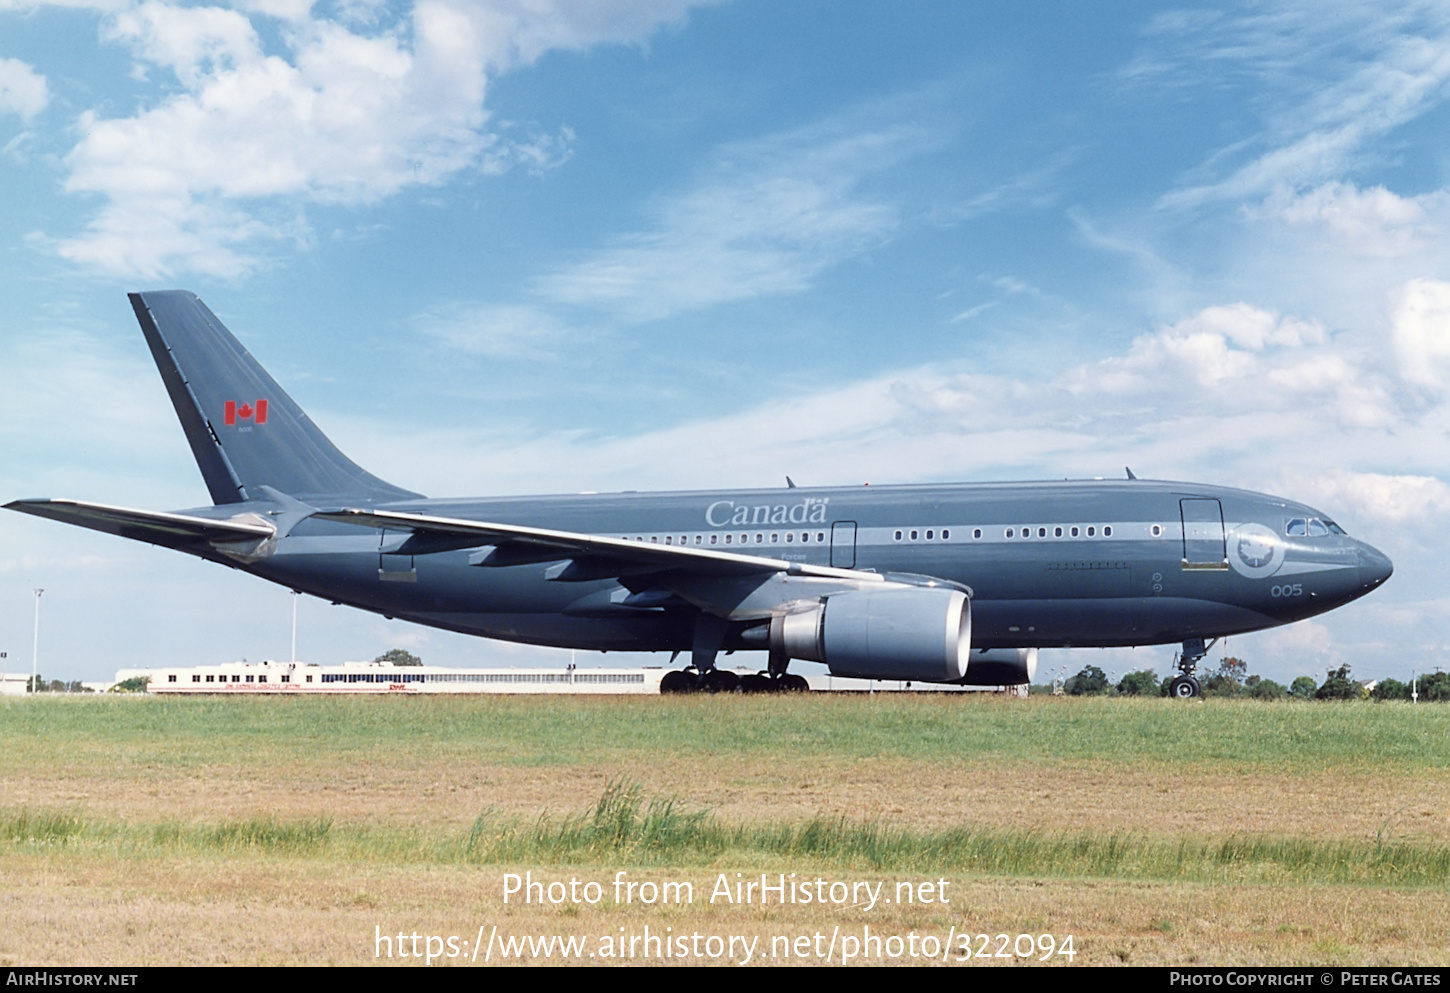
[(1185, 686)]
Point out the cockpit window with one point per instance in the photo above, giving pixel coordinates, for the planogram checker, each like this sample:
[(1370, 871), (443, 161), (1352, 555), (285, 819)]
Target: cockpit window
[(1311, 527)]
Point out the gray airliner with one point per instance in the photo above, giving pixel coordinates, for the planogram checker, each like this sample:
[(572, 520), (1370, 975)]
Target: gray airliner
[(958, 583)]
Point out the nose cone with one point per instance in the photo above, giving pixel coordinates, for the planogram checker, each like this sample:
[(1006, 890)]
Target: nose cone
[(1374, 566)]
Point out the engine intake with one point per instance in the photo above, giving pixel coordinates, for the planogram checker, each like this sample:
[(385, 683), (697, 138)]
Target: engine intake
[(923, 634)]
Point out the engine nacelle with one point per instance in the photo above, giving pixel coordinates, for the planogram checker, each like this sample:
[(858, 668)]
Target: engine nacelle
[(923, 634), (1000, 667)]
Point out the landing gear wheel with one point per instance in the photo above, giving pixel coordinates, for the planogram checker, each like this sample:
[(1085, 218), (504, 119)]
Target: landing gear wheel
[(1184, 688), (755, 683), (792, 683), (679, 681), (720, 681)]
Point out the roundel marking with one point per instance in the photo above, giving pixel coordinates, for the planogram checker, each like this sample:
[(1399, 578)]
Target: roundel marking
[(1255, 551)]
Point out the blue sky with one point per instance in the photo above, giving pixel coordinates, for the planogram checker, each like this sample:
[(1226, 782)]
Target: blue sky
[(514, 247)]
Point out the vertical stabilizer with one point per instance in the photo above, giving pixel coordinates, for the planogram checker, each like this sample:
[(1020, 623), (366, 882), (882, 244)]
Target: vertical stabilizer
[(245, 432)]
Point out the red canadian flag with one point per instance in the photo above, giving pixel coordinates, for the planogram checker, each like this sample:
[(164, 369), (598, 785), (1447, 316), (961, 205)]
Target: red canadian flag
[(246, 412)]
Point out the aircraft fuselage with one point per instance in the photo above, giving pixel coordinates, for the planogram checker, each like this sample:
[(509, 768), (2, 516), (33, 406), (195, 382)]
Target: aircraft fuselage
[(1052, 564)]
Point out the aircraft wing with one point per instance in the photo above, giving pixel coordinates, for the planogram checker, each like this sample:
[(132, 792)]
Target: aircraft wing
[(592, 556), (156, 527)]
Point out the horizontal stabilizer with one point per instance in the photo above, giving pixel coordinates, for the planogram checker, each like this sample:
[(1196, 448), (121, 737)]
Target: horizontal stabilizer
[(170, 530), (525, 544)]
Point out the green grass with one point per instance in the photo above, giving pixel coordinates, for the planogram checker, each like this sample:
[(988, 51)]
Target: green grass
[(626, 828), (190, 733)]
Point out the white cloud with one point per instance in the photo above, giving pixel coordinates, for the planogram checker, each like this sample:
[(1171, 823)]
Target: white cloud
[(502, 332), (1375, 496), (1372, 222), (23, 91), (771, 217), (348, 114), (1420, 331), (1335, 80), (1310, 643)]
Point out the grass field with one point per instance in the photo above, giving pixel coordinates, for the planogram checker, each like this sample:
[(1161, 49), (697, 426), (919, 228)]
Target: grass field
[(297, 830)]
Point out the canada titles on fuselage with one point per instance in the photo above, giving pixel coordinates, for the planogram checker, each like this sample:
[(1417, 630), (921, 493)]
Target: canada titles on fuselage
[(728, 513)]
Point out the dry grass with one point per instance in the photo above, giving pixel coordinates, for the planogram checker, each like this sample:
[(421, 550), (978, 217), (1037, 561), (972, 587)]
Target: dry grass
[(426, 768), (1157, 798), (266, 912)]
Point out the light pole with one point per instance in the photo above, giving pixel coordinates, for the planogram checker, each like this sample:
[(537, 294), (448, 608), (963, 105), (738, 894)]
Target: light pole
[(35, 646), (295, 595)]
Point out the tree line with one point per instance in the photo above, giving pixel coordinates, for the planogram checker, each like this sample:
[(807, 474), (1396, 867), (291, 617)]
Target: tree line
[(1232, 679)]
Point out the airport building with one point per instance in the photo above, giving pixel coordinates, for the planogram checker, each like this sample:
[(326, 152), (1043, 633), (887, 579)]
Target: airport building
[(281, 678)]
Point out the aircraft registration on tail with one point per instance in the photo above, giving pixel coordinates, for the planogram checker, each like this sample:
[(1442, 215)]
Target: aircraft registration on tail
[(947, 583)]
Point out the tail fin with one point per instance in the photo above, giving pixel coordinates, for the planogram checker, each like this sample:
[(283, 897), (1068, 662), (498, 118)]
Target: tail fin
[(244, 431)]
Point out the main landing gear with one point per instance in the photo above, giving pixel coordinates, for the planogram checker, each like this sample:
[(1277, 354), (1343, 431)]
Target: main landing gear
[(701, 675), (691, 680), (1185, 686)]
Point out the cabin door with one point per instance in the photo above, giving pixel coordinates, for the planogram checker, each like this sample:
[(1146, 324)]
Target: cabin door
[(843, 544), (1203, 543)]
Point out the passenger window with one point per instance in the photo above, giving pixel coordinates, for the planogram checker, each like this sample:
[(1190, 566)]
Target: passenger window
[(945, 534), (714, 538), (728, 537), (976, 532), (913, 536), (929, 535), (1157, 530), (1042, 532), (790, 536), (1074, 530), (1009, 532), (1107, 530), (898, 536), (1092, 531)]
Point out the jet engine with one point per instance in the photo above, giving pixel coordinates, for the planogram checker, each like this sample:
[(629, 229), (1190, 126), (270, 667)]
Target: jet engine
[(923, 634)]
